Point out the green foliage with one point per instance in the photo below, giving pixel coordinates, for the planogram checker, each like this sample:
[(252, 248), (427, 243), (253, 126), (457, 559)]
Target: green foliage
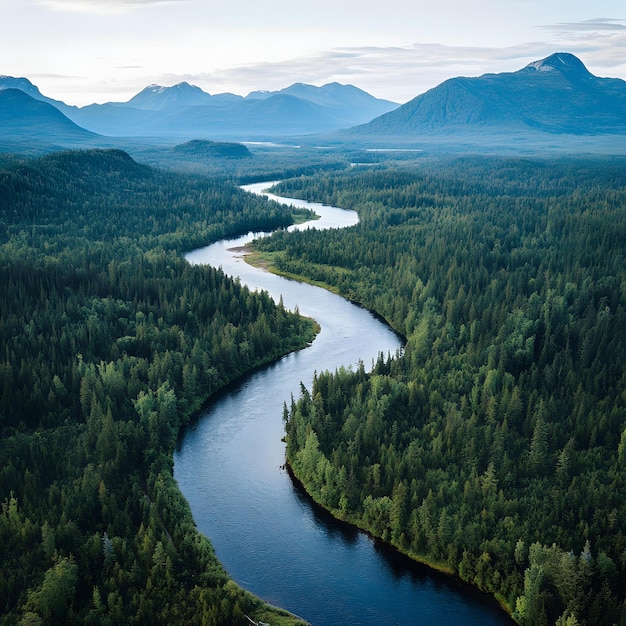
[(501, 425), (199, 148), (109, 343)]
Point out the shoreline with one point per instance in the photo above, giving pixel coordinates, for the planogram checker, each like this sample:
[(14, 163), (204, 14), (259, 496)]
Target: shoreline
[(440, 568), (248, 255)]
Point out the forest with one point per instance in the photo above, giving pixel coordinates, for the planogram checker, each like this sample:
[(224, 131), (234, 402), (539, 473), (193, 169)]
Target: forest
[(493, 446), (109, 343)]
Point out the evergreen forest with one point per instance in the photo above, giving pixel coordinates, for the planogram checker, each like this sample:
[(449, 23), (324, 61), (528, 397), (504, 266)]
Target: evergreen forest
[(493, 446), (110, 342)]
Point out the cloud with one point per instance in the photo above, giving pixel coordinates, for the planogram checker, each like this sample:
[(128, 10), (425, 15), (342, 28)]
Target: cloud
[(600, 42), (593, 25), (397, 73), (106, 7), (219, 62)]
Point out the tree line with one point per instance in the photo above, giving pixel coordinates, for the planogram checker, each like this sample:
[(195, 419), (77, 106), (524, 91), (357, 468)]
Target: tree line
[(494, 445)]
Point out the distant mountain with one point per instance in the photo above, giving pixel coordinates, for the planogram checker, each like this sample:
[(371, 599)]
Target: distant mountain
[(555, 95), (23, 84), (115, 119), (346, 101), (157, 98), (279, 114), (186, 111), (26, 120)]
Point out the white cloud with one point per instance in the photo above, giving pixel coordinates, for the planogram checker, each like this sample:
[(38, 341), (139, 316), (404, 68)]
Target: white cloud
[(592, 25), (102, 7)]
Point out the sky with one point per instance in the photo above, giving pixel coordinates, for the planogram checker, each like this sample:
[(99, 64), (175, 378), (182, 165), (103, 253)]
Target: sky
[(86, 51)]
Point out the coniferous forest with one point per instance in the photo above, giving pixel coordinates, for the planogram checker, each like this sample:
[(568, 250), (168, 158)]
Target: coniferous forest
[(494, 445), (109, 342)]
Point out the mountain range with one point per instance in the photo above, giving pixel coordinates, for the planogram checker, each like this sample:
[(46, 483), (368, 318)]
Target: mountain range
[(555, 97), (186, 111)]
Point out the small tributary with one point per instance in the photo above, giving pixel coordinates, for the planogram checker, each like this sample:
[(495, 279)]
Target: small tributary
[(269, 536)]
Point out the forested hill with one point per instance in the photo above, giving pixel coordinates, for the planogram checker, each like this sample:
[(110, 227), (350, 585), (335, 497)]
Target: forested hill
[(495, 446), (109, 342)]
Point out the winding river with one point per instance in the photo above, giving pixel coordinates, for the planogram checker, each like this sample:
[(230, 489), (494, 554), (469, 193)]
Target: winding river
[(268, 535)]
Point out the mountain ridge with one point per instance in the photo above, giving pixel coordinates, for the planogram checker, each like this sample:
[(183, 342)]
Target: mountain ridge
[(185, 111), (554, 101)]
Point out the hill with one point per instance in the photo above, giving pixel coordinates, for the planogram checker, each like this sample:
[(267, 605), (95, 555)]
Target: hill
[(199, 148)]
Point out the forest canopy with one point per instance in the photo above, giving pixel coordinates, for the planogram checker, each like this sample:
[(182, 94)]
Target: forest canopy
[(494, 446), (109, 342)]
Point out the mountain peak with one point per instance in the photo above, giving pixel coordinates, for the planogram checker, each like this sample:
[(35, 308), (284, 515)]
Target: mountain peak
[(563, 62), (153, 88), (157, 97), (185, 86)]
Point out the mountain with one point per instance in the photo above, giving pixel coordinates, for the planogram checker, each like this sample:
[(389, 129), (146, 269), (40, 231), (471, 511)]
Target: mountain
[(556, 95), (222, 117), (25, 120), (115, 119), (23, 84), (346, 101), (157, 98), (279, 114)]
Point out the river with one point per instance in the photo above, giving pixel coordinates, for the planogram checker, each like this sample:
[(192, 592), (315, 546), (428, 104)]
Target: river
[(269, 536)]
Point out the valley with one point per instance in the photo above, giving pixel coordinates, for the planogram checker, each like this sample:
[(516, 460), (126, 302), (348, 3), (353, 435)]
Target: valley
[(489, 447)]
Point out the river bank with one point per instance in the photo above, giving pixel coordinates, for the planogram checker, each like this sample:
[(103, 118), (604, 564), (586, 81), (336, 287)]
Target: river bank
[(361, 525)]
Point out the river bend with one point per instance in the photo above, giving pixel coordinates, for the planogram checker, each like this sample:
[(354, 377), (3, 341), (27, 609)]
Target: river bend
[(268, 535)]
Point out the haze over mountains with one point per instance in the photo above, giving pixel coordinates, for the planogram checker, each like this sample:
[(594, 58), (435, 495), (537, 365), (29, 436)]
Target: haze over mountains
[(556, 97), (186, 111)]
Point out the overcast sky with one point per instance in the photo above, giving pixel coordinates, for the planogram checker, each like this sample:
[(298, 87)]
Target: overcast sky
[(84, 51)]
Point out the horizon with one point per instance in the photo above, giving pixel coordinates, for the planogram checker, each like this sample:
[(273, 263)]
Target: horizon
[(94, 51), (244, 95)]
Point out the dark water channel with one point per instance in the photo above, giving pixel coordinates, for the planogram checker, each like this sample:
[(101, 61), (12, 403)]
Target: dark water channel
[(268, 535)]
